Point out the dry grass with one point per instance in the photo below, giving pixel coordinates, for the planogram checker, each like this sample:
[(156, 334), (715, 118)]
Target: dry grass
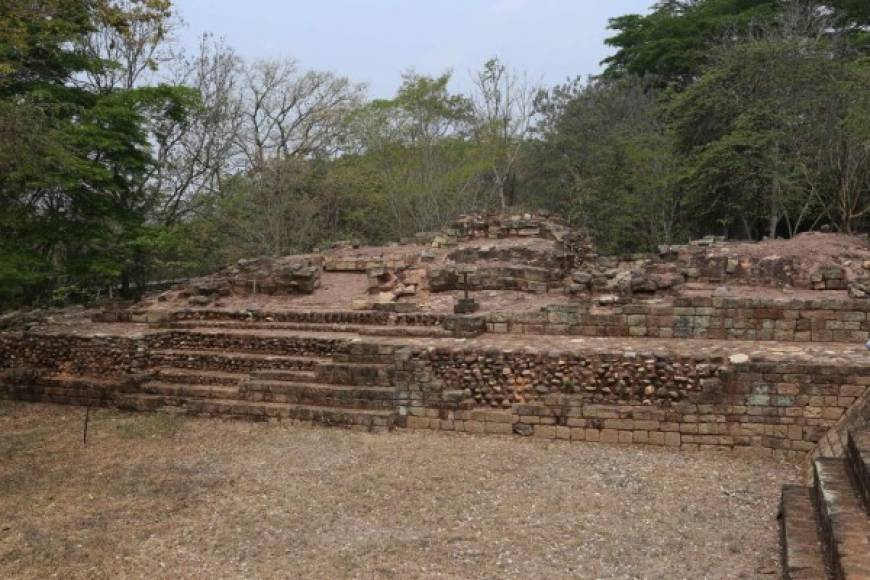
[(160, 497)]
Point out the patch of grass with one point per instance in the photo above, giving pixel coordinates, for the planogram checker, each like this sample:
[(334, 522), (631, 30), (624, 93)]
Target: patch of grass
[(22, 442), (151, 426)]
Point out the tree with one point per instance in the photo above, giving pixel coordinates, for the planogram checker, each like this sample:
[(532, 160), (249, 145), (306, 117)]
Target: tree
[(752, 128), (419, 147), (130, 39), (195, 155), (71, 208), (672, 43), (503, 111), (604, 160), (290, 113)]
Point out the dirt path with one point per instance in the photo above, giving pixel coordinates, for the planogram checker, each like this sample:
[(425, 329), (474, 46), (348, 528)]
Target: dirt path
[(156, 497)]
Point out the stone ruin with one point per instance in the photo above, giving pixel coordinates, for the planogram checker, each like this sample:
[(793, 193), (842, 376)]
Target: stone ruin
[(264, 275), (713, 345)]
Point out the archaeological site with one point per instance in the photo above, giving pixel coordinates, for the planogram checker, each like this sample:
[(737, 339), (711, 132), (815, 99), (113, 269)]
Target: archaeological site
[(514, 325)]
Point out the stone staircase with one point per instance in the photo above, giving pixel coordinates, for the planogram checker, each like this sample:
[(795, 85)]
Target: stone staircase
[(825, 529), (245, 377), (366, 323), (409, 331)]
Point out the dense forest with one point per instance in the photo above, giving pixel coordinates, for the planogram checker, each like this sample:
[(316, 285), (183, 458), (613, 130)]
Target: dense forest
[(125, 159)]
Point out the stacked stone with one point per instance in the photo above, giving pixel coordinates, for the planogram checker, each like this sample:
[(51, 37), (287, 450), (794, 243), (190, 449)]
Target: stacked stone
[(790, 320), (694, 403), (283, 276), (494, 277), (351, 263), (359, 317), (500, 379)]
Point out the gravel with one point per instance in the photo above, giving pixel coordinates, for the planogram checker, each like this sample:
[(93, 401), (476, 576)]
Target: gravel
[(153, 496)]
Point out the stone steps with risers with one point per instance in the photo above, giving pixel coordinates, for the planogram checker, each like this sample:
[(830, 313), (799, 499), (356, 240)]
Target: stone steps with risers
[(366, 419), (845, 526), (828, 523), (348, 317), (284, 376), (198, 377), (189, 391), (858, 452), (214, 360), (799, 535), (368, 353), (348, 373), (354, 397), (63, 389), (363, 329)]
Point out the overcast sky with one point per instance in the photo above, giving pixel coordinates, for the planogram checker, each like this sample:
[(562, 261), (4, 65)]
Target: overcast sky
[(374, 41)]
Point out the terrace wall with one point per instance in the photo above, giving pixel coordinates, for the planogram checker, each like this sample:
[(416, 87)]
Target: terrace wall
[(796, 320), (630, 398)]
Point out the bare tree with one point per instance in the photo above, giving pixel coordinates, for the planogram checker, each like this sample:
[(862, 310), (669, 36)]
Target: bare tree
[(504, 107), (194, 156), (289, 113), (133, 40)]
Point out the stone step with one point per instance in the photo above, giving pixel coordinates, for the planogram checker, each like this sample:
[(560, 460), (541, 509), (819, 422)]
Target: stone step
[(345, 373), (364, 329), (231, 361), (189, 391), (368, 353), (198, 377), (364, 419), (285, 376), (317, 317), (65, 389), (845, 526), (322, 395), (858, 454), (802, 557)]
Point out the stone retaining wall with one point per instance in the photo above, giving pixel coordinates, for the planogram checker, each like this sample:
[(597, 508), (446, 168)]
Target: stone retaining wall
[(701, 317), (500, 277), (278, 345), (624, 397), (101, 356), (628, 398), (360, 317), (350, 263), (112, 357)]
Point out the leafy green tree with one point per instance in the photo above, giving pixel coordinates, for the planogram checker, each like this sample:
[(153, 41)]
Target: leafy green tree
[(752, 128), (604, 160), (673, 42), (71, 209)]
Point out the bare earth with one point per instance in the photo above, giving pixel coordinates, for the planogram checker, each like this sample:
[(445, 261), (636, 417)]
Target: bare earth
[(152, 496)]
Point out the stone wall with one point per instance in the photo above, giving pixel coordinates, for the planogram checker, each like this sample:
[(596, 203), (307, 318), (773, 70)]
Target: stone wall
[(510, 254), (494, 277), (299, 274), (358, 317), (834, 442), (361, 263), (112, 357), (796, 320), (279, 345), (102, 356), (629, 398), (585, 394)]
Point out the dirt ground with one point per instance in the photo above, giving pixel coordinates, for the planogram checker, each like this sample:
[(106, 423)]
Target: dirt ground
[(152, 496)]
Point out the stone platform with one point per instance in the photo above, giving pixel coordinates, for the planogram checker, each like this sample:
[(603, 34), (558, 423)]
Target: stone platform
[(742, 348)]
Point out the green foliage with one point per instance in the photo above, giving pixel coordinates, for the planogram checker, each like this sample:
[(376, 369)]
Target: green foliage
[(74, 199), (673, 41), (743, 117), (604, 161)]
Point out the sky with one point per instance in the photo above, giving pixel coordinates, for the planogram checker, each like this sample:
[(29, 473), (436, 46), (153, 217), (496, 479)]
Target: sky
[(374, 41)]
